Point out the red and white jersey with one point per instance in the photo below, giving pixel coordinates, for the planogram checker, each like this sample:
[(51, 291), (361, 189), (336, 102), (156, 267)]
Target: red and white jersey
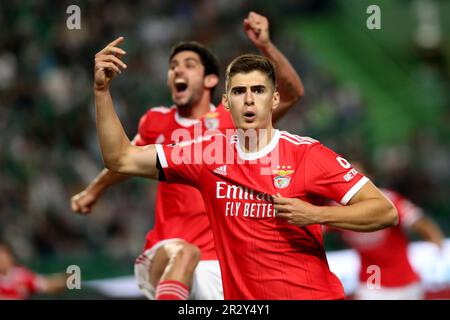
[(387, 248), (19, 283), (261, 256), (180, 211)]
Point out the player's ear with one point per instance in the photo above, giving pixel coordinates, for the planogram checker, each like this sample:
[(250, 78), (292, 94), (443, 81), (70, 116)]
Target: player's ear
[(210, 81), (276, 100), (225, 101)]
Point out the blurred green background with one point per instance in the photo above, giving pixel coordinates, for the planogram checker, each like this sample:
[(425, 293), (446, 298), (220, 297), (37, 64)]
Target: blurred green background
[(381, 96)]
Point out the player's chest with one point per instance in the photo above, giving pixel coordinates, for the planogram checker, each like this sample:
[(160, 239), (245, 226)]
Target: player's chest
[(255, 181)]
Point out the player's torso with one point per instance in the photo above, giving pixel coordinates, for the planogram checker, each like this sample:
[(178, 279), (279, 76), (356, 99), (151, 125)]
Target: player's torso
[(244, 218), (180, 209)]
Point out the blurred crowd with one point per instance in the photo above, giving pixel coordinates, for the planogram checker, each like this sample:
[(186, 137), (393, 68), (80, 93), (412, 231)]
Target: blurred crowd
[(48, 143)]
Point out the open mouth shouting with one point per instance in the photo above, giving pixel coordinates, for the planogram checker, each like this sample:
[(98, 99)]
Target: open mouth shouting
[(180, 85), (249, 116)]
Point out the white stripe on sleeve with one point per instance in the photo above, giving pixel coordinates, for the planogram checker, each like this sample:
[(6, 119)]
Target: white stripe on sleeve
[(350, 193)]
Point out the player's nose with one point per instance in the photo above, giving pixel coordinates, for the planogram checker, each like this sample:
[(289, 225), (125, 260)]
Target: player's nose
[(248, 97)]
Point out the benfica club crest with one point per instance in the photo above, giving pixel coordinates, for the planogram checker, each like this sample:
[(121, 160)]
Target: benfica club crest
[(282, 180), (211, 120)]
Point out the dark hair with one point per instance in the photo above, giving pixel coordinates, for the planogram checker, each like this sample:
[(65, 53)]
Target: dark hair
[(250, 62), (208, 59)]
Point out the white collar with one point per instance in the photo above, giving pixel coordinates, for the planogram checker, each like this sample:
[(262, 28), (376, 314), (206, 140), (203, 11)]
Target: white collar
[(186, 122), (261, 153)]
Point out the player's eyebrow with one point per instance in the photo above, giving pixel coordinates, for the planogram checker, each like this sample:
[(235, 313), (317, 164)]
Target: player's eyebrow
[(174, 61), (191, 59), (255, 87), (258, 87)]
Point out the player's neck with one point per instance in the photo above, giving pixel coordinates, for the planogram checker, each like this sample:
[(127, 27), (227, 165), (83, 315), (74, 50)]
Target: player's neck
[(254, 140), (198, 109)]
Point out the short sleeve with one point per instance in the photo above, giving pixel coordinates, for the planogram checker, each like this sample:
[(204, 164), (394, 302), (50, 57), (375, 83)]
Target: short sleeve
[(330, 175), (183, 162), (142, 138), (408, 212)]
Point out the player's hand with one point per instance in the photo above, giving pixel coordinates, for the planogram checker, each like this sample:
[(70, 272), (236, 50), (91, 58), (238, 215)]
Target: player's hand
[(256, 27), (295, 211), (83, 202), (108, 64)]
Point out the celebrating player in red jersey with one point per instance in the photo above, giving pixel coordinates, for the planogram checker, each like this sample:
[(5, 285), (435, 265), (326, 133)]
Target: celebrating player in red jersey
[(181, 224), (387, 249), (262, 256), (19, 283)]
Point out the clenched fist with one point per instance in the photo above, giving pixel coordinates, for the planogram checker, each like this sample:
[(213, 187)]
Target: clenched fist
[(83, 202), (256, 27)]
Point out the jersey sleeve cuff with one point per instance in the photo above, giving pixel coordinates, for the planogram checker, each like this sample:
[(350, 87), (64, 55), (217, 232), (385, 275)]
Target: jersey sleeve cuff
[(350, 193), (161, 156)]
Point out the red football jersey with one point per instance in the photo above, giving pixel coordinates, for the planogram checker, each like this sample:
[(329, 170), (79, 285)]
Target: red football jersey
[(387, 248), (261, 256), (19, 283), (180, 211)]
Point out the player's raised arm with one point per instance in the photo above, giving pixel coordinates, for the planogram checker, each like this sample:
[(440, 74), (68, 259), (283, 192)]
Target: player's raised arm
[(119, 155), (290, 86)]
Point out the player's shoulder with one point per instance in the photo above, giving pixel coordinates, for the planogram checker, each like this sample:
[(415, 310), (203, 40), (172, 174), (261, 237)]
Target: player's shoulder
[(208, 138), (161, 111), (224, 114), (296, 140), (156, 115)]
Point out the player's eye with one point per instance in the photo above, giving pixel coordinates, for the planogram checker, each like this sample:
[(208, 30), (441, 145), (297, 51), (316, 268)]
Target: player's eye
[(191, 64), (258, 89), (238, 91)]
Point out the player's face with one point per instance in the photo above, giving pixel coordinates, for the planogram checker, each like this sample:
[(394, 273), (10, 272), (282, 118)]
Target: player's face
[(186, 78), (251, 98), (6, 260)]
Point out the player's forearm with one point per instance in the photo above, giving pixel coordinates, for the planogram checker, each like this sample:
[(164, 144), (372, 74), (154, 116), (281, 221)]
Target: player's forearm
[(104, 180), (368, 215), (55, 284), (113, 140), (290, 85), (429, 231)]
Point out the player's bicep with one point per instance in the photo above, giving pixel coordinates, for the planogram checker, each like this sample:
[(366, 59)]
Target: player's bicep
[(368, 192), (140, 161)]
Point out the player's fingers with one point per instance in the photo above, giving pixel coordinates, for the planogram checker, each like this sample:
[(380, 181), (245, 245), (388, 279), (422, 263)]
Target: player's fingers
[(280, 200), (115, 42), (283, 215), (108, 65), (74, 205), (281, 208), (115, 60), (85, 210), (113, 50)]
